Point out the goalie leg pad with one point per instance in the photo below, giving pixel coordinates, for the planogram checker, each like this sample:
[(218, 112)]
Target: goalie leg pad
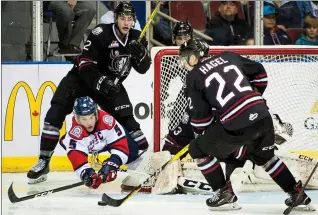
[(149, 165), (167, 180)]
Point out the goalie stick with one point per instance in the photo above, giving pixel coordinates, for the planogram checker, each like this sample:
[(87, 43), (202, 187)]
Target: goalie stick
[(290, 208), (13, 198), (107, 200)]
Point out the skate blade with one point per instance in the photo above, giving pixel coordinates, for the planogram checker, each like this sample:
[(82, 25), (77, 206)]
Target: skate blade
[(42, 178), (308, 207), (226, 207)]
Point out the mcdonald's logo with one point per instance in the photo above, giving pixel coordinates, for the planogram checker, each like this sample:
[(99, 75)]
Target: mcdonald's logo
[(35, 105)]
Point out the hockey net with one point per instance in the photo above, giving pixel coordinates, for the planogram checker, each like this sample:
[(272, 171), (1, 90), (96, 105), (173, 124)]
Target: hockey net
[(292, 93)]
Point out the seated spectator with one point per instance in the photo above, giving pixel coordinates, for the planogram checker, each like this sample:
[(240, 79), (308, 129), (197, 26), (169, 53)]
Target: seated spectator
[(70, 35), (272, 34), (313, 7), (312, 21), (225, 27), (291, 14), (309, 37), (108, 17)]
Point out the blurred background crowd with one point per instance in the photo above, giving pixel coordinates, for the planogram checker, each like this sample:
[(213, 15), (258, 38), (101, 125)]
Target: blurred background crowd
[(65, 24)]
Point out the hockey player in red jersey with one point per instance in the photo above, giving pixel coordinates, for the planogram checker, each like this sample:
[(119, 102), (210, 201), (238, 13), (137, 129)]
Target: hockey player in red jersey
[(223, 101), (95, 131)]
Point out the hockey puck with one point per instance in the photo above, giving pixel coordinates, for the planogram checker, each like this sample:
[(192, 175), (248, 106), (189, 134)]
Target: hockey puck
[(102, 203)]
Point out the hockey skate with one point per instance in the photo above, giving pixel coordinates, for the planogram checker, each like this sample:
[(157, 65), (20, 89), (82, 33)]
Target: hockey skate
[(223, 199), (39, 171), (303, 202)]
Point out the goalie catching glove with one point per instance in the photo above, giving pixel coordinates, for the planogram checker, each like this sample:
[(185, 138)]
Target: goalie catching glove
[(137, 50)]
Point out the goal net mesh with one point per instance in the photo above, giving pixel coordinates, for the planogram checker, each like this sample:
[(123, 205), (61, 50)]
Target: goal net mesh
[(292, 93)]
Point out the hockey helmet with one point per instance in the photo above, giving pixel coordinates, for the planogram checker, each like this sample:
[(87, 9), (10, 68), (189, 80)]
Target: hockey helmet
[(182, 28), (196, 47), (125, 9), (84, 106)]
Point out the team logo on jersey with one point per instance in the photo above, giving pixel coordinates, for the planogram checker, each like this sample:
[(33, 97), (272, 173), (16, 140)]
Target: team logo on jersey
[(253, 116), (114, 44), (76, 131), (117, 63), (97, 31), (108, 120)]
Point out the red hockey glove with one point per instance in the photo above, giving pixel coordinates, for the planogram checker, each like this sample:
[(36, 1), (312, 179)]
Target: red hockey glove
[(90, 178), (108, 172)]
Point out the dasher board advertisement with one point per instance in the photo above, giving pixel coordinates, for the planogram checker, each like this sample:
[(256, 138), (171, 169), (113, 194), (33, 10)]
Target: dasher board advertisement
[(27, 90)]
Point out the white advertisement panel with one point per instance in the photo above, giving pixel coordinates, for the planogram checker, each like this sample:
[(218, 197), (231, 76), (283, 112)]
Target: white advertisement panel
[(26, 93)]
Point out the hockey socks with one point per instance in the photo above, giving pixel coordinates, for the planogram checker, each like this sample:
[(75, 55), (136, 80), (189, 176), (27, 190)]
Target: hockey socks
[(278, 171), (49, 137), (212, 171)]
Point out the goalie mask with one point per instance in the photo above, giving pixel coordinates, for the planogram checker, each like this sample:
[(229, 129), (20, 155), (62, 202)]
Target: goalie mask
[(182, 29)]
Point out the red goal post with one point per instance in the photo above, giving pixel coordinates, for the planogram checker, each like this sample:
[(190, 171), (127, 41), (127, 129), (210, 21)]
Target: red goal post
[(288, 67)]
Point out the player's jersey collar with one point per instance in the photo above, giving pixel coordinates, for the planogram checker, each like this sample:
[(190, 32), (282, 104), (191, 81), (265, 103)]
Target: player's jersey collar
[(117, 37)]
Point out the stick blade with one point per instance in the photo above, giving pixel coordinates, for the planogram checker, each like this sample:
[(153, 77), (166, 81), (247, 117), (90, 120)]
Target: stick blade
[(107, 200), (13, 198), (288, 210)]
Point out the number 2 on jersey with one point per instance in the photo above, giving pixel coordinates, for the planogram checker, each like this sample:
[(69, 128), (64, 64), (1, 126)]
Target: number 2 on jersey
[(87, 44), (221, 81)]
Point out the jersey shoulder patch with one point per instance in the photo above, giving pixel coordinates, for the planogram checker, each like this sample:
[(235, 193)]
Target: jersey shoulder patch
[(77, 132), (97, 30), (107, 121)]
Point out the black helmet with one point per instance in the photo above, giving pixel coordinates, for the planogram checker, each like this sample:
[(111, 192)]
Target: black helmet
[(196, 47), (125, 9), (182, 29)]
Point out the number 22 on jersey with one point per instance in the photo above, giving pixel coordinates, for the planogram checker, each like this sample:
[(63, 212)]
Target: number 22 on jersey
[(237, 83)]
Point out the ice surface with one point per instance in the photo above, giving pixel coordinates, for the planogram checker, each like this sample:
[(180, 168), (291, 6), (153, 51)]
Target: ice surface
[(81, 200)]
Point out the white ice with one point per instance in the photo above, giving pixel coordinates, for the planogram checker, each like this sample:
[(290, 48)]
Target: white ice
[(81, 200)]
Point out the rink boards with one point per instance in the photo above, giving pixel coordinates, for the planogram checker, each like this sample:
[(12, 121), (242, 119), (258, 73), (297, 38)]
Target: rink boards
[(27, 89), (26, 93)]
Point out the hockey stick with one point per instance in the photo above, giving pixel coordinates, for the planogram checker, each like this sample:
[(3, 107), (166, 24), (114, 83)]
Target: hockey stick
[(106, 200), (290, 208), (142, 34), (13, 198)]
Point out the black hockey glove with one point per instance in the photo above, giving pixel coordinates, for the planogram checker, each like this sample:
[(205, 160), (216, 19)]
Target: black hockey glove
[(105, 86), (108, 172), (90, 178), (137, 50)]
